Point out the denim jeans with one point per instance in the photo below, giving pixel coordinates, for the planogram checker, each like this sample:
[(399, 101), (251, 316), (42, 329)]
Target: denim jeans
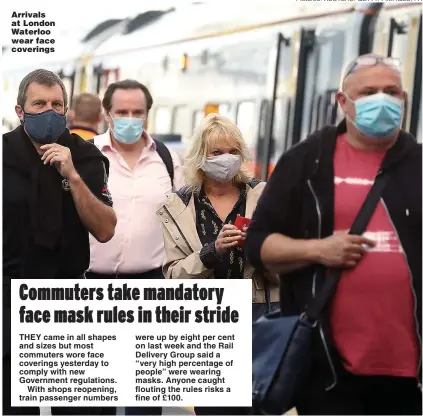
[(260, 309)]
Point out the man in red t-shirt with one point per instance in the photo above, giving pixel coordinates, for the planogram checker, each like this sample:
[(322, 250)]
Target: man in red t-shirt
[(367, 354)]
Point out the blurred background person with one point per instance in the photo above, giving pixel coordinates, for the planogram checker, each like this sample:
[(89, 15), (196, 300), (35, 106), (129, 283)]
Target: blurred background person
[(85, 115)]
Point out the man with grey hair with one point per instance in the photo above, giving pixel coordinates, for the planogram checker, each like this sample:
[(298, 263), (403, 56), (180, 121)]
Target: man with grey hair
[(54, 194), (366, 354)]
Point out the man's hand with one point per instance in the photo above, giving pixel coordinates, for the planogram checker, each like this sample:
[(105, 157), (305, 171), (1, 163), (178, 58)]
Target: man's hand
[(342, 249), (61, 158)]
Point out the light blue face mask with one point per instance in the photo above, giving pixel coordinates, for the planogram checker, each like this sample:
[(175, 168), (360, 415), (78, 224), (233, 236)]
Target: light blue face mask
[(127, 130), (377, 115)]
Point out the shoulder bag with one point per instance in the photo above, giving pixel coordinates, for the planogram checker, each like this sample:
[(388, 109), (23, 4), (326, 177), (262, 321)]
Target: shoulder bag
[(282, 344)]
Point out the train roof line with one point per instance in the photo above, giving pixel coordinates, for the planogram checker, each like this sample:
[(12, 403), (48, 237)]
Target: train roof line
[(144, 19), (362, 8), (228, 32), (101, 27)]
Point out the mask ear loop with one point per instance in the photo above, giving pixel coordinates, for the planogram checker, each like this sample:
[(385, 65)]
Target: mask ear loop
[(23, 117), (346, 114), (113, 121)]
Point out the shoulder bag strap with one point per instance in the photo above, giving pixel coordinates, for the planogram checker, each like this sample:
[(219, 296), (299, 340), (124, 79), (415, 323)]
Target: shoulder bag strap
[(164, 153), (267, 297), (359, 226)]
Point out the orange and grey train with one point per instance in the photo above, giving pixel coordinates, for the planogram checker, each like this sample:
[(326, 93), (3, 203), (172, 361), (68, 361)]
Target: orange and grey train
[(277, 79), (273, 69)]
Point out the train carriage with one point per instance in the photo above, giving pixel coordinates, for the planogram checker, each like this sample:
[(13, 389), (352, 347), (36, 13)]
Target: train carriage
[(273, 67)]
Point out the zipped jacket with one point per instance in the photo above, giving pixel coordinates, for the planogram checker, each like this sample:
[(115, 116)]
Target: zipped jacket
[(298, 202)]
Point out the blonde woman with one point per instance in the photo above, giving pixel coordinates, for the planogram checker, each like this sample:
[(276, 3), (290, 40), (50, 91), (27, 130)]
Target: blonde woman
[(200, 238)]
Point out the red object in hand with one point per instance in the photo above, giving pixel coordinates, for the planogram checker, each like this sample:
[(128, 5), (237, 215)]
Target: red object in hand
[(240, 222)]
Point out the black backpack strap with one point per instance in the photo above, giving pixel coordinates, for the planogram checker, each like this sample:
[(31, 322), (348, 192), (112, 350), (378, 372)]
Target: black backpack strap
[(164, 153), (359, 226)]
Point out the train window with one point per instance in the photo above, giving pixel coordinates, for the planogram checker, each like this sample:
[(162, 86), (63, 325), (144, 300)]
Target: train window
[(225, 110), (103, 79), (67, 82), (196, 118), (398, 39), (325, 77), (263, 115), (399, 47), (113, 76), (317, 113), (280, 126), (102, 85), (330, 107), (258, 153), (181, 122), (162, 121), (245, 121)]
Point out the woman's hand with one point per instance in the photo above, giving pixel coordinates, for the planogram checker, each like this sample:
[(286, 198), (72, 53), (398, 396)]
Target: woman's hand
[(228, 237)]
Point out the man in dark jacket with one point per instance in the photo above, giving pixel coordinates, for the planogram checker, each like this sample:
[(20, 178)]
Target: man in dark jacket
[(54, 194), (367, 346)]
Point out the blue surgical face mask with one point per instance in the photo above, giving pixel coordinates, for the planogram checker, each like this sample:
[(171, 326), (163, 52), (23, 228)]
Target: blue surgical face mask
[(377, 115), (127, 130), (45, 127)]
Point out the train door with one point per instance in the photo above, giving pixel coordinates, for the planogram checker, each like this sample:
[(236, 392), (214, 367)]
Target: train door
[(103, 78), (161, 120), (275, 109), (69, 83), (323, 79), (284, 109), (416, 104), (400, 37), (419, 127), (305, 40), (181, 130)]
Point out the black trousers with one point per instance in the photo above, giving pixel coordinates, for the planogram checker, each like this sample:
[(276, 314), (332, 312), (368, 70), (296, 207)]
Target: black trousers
[(83, 411), (151, 274), (145, 411), (362, 395), (223, 410), (260, 309)]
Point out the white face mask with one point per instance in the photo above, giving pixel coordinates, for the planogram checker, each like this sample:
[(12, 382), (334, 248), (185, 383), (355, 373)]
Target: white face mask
[(222, 168)]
